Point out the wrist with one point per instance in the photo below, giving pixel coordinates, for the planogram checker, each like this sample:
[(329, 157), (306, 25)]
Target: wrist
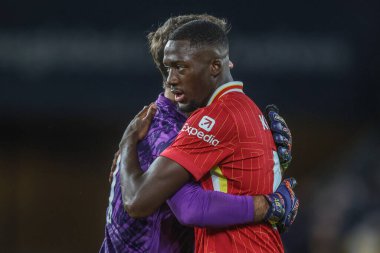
[(128, 140), (261, 207)]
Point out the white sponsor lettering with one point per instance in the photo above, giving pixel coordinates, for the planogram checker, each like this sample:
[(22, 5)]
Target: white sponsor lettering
[(199, 134), (264, 122)]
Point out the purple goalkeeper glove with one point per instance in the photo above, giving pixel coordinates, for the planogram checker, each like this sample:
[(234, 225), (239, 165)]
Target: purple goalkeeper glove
[(283, 205), (281, 135)]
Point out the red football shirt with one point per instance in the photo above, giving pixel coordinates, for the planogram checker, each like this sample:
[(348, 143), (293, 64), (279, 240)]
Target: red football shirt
[(228, 146)]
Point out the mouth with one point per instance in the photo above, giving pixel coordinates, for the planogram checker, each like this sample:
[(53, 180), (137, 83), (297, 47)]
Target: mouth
[(179, 96)]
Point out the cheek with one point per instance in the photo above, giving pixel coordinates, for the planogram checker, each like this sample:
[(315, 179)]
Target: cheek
[(203, 82), (198, 88), (193, 83)]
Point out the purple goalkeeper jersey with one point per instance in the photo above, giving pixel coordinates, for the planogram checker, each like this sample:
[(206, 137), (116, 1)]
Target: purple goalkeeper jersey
[(159, 232)]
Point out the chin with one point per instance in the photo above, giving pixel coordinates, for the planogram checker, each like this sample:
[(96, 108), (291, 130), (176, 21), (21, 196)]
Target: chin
[(187, 108)]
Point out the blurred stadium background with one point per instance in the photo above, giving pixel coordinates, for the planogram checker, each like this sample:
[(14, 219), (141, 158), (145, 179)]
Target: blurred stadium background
[(73, 73)]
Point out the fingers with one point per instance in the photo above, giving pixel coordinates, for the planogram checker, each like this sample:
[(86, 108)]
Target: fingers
[(289, 220), (151, 112), (276, 117), (291, 181), (286, 189), (280, 139), (289, 217), (143, 111), (292, 204), (294, 212), (271, 107), (281, 135), (277, 123), (146, 110), (139, 126), (279, 126), (284, 154)]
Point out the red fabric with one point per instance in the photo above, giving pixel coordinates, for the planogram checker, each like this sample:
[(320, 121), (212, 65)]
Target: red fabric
[(242, 146)]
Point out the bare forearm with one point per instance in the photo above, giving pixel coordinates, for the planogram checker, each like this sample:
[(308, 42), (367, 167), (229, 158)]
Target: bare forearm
[(130, 175), (144, 193), (139, 195)]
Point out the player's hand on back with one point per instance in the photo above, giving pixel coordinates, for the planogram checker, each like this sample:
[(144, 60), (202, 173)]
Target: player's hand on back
[(281, 135), (139, 126), (283, 205)]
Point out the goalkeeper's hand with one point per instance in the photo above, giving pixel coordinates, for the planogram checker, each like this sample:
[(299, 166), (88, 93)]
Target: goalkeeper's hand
[(283, 205), (281, 135)]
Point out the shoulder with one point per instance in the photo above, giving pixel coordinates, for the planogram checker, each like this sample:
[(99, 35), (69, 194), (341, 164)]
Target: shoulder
[(211, 124), (164, 128), (167, 120), (237, 100), (240, 106), (228, 109)]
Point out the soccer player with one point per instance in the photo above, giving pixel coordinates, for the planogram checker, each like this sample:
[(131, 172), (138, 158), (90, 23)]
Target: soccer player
[(161, 232), (226, 143)]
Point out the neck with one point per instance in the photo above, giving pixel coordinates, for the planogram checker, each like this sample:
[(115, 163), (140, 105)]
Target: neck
[(217, 82), (224, 78)]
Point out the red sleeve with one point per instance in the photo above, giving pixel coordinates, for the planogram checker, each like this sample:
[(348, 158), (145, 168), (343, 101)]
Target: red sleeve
[(207, 138)]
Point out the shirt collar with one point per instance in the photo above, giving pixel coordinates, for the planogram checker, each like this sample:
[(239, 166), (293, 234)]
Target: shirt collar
[(234, 86), (166, 104)]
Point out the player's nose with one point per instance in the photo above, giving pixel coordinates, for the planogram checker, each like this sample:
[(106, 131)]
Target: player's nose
[(172, 78)]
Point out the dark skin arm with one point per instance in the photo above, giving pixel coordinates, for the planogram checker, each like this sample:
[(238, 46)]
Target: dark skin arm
[(143, 193)]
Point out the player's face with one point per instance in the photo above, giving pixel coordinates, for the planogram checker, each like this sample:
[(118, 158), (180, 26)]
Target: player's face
[(188, 74)]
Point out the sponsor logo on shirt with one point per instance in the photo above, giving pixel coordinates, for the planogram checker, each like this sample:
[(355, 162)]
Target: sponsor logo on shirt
[(199, 134), (206, 123)]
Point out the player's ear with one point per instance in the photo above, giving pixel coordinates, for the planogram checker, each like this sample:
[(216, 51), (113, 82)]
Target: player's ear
[(216, 67)]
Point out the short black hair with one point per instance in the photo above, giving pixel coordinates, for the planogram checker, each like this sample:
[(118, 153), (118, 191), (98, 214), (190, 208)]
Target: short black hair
[(158, 39), (201, 33)]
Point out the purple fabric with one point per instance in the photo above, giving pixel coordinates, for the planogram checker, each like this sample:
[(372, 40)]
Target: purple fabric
[(194, 206), (161, 232)]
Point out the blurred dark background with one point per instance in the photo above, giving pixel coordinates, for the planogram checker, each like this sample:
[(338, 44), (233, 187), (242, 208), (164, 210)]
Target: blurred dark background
[(73, 73)]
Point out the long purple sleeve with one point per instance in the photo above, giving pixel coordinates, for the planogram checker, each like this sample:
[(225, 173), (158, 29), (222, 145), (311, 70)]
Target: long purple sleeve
[(194, 206)]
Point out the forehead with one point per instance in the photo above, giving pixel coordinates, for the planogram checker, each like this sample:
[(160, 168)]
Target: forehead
[(181, 50)]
